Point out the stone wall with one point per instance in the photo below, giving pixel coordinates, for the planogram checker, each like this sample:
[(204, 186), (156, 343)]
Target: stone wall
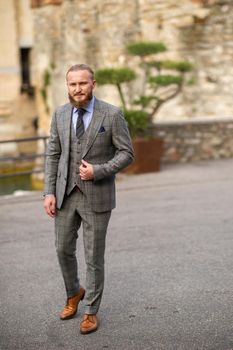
[(200, 139), (96, 32), (210, 44)]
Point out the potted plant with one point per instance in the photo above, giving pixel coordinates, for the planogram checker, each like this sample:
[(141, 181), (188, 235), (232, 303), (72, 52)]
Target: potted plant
[(161, 81)]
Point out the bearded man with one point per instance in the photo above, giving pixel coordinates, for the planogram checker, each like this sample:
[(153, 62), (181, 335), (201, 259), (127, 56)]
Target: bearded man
[(89, 143)]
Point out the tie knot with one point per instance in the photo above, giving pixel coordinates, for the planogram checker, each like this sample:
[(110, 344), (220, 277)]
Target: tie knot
[(81, 111)]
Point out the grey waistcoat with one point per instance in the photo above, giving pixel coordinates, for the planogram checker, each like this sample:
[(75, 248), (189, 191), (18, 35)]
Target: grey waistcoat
[(76, 151)]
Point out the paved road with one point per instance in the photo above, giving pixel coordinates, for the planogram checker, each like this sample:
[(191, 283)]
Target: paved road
[(169, 267)]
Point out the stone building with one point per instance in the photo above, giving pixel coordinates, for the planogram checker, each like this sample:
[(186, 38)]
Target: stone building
[(96, 32), (40, 39), (17, 105)]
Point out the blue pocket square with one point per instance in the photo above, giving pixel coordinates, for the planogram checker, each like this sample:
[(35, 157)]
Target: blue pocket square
[(102, 129)]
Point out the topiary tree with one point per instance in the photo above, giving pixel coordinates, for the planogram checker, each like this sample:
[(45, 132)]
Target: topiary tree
[(162, 80), (115, 76)]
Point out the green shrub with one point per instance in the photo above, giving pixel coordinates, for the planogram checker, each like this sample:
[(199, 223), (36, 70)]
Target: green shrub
[(180, 66), (156, 88), (165, 80), (145, 48), (137, 120), (144, 101), (114, 75)]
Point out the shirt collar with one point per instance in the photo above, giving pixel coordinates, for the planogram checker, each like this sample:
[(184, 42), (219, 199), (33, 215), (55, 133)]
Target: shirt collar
[(89, 107)]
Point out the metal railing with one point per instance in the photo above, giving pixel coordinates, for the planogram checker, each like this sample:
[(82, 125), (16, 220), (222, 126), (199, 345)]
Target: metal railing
[(25, 156)]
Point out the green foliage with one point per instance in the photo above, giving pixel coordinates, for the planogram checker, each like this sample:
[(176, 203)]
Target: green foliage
[(165, 80), (144, 101), (44, 90), (138, 121), (114, 76), (155, 64), (145, 48), (44, 94), (52, 65), (47, 78), (153, 85), (180, 66)]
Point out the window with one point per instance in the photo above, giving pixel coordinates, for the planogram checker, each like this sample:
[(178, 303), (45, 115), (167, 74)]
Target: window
[(25, 71)]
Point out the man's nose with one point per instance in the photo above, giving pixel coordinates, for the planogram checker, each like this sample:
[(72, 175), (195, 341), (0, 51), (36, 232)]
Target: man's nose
[(77, 88)]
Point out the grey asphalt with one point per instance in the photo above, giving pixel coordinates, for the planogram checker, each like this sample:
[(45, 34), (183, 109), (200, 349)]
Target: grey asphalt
[(169, 267)]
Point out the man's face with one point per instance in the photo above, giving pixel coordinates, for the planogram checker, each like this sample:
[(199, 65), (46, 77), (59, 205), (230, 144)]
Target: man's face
[(80, 86)]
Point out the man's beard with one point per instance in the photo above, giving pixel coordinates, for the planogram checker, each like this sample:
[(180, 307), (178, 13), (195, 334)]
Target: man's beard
[(81, 103)]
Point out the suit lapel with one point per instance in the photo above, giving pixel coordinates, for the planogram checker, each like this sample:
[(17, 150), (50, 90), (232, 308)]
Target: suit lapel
[(96, 121)]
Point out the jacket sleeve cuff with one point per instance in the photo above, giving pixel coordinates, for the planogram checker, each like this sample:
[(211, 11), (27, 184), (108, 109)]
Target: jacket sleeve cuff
[(97, 172)]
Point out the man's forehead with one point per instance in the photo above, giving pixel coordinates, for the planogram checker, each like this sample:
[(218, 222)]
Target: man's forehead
[(80, 75)]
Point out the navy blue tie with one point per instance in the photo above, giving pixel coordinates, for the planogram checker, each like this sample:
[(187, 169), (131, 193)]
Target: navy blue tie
[(80, 125)]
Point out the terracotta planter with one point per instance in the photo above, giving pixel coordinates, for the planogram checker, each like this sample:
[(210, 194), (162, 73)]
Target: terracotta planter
[(148, 154)]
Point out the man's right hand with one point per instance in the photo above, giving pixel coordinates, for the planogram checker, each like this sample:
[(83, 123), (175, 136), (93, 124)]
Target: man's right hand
[(50, 205)]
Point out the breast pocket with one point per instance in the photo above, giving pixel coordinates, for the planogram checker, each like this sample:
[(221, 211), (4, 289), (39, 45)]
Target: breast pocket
[(103, 136)]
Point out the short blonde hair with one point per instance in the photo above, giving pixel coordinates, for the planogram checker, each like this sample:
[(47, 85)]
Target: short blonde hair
[(82, 66)]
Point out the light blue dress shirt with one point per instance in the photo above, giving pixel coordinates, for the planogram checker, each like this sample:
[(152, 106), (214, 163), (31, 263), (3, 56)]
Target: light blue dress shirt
[(86, 116)]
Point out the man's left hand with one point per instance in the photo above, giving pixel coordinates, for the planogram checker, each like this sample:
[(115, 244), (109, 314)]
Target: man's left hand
[(86, 171)]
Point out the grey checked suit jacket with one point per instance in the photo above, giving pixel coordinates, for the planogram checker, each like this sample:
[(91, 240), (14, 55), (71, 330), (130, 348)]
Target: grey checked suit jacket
[(108, 149)]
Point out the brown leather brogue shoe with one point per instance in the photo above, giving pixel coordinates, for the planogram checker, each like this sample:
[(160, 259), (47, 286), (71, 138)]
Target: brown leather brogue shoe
[(89, 324), (72, 305)]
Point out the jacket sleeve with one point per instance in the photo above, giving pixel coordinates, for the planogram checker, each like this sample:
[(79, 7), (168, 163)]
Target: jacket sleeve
[(124, 150), (52, 155)]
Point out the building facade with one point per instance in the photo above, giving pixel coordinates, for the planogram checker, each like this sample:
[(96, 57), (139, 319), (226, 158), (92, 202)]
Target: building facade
[(96, 32), (42, 38), (17, 105)]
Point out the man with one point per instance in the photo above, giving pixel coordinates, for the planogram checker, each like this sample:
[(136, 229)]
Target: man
[(89, 143)]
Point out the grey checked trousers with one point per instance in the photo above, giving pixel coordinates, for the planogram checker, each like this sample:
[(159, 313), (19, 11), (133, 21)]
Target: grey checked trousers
[(76, 210)]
